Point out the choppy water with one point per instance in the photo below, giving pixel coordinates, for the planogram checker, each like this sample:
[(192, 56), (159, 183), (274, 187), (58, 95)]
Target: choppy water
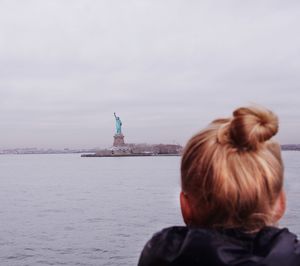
[(67, 210)]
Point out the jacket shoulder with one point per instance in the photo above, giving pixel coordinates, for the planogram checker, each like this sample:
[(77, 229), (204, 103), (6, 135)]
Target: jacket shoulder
[(163, 247)]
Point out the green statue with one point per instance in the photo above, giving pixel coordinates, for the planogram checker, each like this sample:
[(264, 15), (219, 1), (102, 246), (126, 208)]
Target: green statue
[(118, 124)]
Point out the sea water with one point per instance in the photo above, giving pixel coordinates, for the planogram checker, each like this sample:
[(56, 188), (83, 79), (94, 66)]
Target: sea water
[(68, 210)]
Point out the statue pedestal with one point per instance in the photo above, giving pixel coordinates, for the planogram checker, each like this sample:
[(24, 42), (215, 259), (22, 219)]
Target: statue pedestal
[(119, 140)]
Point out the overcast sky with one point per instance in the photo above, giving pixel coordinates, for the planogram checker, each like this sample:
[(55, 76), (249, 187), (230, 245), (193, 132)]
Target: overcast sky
[(166, 67)]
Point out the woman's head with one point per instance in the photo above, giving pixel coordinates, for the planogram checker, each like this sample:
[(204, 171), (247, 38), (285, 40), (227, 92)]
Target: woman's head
[(232, 172)]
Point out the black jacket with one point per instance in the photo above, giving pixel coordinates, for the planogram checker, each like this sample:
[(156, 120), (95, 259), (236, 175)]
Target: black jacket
[(183, 246)]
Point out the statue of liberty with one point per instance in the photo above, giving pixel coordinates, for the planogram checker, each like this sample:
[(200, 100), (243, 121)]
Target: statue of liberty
[(118, 125)]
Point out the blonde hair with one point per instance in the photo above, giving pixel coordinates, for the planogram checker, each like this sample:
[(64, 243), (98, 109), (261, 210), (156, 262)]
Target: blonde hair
[(234, 171)]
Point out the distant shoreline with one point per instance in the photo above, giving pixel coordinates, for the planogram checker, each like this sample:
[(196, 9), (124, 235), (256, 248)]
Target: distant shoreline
[(284, 147), (44, 151), (130, 155), (290, 147)]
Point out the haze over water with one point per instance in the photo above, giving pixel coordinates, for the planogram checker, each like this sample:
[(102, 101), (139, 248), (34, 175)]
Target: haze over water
[(67, 210)]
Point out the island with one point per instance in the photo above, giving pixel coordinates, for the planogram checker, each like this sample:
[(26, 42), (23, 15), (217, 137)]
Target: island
[(121, 149)]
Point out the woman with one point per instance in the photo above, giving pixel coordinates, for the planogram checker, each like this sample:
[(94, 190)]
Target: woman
[(232, 198)]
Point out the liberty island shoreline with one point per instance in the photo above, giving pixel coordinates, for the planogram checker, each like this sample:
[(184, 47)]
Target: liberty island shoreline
[(129, 155), (120, 148)]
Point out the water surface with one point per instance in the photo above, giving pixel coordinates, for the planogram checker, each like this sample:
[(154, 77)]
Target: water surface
[(68, 210)]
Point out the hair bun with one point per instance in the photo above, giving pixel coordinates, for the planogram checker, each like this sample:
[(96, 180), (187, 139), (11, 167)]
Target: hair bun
[(251, 126)]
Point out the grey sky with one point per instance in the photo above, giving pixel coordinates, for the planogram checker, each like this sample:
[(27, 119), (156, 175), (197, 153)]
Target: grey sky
[(166, 67)]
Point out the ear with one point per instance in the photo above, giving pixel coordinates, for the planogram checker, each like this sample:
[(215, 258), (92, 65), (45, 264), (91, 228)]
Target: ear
[(280, 206), (186, 208)]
